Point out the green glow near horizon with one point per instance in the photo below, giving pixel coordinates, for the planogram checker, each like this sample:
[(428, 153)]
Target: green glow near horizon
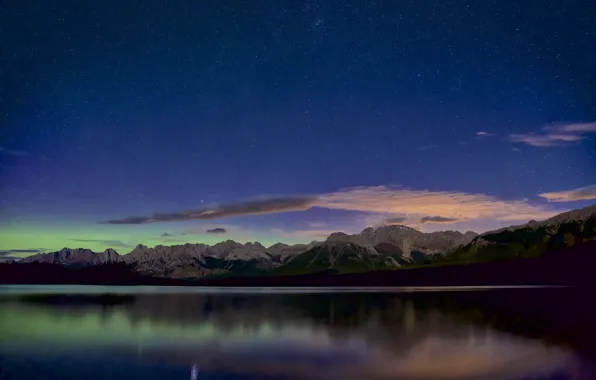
[(96, 237), (37, 324)]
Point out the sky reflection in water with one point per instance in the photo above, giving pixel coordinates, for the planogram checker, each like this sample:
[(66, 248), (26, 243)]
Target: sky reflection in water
[(301, 336)]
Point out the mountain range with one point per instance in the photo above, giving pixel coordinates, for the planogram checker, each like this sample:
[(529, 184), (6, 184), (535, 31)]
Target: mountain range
[(383, 247), (373, 249), (532, 239)]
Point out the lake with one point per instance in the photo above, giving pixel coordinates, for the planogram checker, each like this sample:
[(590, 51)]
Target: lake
[(94, 332)]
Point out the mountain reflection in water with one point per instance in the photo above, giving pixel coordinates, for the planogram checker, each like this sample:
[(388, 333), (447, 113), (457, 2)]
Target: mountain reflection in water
[(281, 336)]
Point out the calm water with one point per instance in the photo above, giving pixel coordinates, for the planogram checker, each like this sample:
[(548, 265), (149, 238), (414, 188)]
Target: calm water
[(185, 333)]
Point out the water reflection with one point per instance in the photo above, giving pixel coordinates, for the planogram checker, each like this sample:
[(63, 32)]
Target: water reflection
[(297, 336)]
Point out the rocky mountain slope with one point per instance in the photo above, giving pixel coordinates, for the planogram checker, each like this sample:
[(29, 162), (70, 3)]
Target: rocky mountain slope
[(337, 257), (371, 249), (182, 261), (198, 260), (404, 243), (77, 256), (531, 239), (386, 247)]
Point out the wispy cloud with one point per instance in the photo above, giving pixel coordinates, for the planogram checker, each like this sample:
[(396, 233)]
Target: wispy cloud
[(304, 235), (217, 231), (251, 207), (449, 204), (18, 251), (17, 254), (395, 220), (235, 230), (110, 243), (12, 152), (482, 134), (167, 235), (580, 194), (556, 135), (393, 202), (437, 219)]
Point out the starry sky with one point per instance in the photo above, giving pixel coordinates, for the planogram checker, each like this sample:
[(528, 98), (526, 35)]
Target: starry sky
[(127, 122)]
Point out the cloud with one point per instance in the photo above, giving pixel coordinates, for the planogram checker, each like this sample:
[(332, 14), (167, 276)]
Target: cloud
[(437, 219), (395, 220), (251, 207), (481, 134), (306, 235), (392, 202), (13, 251), (167, 235), (236, 232), (580, 194), (11, 152), (111, 243), (449, 204), (556, 135), (18, 254), (217, 231)]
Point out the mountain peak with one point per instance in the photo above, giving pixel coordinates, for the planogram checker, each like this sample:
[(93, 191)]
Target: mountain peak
[(337, 236), (367, 230), (278, 246), (227, 243), (110, 254), (255, 244), (78, 256), (403, 239)]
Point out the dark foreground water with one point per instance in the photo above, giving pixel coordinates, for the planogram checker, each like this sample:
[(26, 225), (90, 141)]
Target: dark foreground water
[(188, 333)]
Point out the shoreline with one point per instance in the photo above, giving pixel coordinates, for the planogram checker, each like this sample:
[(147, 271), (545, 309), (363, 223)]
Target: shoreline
[(571, 267)]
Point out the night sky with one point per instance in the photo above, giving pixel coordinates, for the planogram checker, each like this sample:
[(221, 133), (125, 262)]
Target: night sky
[(154, 122)]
